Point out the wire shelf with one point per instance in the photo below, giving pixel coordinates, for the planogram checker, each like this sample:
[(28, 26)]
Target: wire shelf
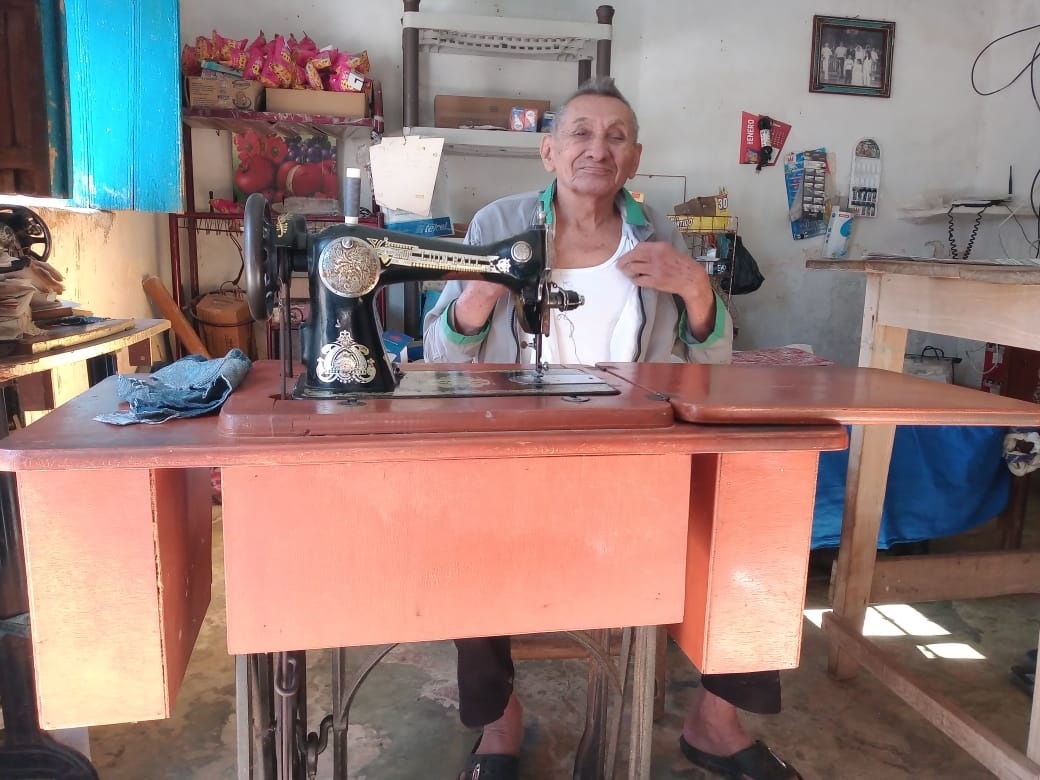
[(558, 48), (235, 121)]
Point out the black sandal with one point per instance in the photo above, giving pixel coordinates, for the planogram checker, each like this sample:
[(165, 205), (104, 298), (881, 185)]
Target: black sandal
[(756, 761), (1023, 674), (490, 766)]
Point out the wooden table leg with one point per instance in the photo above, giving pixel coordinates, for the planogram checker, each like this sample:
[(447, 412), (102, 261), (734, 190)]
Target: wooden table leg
[(25, 750), (642, 718), (870, 452), (243, 720)]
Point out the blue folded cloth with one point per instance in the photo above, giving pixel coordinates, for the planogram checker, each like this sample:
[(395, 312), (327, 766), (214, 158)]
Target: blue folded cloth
[(189, 387)]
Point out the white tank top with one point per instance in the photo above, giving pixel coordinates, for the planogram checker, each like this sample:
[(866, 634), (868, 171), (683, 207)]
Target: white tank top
[(607, 325)]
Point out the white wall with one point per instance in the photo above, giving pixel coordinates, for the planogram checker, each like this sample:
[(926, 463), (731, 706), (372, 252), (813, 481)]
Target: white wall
[(690, 69), (104, 255)]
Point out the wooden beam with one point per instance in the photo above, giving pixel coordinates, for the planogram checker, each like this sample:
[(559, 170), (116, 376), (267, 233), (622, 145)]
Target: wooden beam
[(916, 578), (983, 744), (963, 308)]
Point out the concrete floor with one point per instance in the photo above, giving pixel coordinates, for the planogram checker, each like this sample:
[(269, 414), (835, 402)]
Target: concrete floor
[(405, 725)]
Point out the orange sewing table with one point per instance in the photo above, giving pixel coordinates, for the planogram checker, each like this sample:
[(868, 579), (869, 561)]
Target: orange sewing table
[(562, 514)]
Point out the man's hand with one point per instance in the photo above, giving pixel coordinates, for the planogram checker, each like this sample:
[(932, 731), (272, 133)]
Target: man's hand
[(474, 306), (660, 266)]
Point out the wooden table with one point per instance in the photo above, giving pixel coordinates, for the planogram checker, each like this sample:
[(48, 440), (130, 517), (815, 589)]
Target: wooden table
[(42, 387), (550, 523), (39, 390), (981, 302), (579, 524)]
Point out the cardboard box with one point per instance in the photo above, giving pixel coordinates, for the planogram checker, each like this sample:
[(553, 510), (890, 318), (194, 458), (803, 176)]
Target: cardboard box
[(487, 112), (396, 345), (688, 224), (317, 102), (431, 227), (221, 92), (698, 207), (225, 322)]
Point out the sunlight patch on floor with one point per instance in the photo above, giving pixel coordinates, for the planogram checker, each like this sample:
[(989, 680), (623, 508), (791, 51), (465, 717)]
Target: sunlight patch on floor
[(910, 620), (951, 650), (905, 620)]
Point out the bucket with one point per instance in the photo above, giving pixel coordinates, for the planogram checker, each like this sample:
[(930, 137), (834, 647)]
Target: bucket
[(224, 323)]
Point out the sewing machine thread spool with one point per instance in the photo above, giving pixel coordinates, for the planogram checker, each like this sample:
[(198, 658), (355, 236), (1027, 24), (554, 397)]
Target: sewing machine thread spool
[(352, 196)]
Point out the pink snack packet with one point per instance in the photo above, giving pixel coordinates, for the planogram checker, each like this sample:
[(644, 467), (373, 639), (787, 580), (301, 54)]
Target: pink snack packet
[(280, 61), (190, 65), (343, 78), (323, 58), (237, 57), (203, 48), (313, 76), (254, 65), (358, 62), (259, 42), (269, 75)]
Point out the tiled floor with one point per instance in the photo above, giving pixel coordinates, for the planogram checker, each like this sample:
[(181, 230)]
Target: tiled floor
[(405, 726)]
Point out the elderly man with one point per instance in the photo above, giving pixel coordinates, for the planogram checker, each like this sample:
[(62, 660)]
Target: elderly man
[(645, 300)]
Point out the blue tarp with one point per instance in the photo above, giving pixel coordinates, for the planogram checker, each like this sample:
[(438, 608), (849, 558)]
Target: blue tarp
[(943, 480)]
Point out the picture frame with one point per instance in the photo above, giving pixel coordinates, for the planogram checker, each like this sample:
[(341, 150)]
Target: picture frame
[(852, 56)]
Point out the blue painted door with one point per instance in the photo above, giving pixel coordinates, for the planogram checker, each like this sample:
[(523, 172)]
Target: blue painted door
[(123, 65)]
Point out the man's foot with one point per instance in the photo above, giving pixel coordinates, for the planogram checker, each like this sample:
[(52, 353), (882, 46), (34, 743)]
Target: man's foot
[(494, 756), (505, 735), (714, 738)]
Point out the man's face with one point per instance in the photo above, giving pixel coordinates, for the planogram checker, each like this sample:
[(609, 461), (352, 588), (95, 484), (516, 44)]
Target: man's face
[(593, 151)]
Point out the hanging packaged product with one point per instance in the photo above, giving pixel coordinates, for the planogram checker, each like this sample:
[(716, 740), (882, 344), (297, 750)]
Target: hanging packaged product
[(805, 177), (865, 178), (839, 229)]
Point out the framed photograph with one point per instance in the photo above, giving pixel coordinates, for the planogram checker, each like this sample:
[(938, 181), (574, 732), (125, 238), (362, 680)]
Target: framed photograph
[(852, 56)]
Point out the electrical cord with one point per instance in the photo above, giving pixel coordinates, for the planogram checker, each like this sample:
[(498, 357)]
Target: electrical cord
[(1034, 246), (1031, 67), (1036, 210), (971, 239)]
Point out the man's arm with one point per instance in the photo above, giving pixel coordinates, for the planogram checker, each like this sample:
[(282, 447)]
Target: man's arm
[(455, 329)]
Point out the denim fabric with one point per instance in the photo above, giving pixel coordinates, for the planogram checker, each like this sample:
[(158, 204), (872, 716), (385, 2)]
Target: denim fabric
[(190, 387)]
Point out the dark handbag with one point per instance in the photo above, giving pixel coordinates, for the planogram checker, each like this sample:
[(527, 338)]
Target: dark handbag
[(745, 277)]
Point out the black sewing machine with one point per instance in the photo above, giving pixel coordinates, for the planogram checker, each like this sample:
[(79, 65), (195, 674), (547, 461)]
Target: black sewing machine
[(347, 264)]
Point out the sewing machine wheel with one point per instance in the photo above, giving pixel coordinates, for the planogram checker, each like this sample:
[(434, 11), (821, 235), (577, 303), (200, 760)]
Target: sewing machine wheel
[(259, 258), (32, 238)]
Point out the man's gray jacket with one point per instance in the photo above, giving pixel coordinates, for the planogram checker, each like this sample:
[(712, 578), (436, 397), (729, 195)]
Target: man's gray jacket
[(664, 335)]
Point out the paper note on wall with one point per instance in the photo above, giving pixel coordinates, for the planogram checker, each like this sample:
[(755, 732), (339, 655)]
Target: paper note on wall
[(404, 172)]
